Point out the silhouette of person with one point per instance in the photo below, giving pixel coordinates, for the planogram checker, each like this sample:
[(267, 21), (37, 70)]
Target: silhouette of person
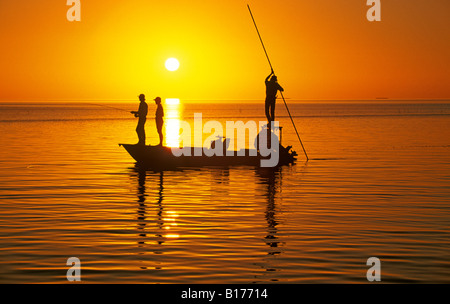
[(272, 88), (159, 119), (142, 114)]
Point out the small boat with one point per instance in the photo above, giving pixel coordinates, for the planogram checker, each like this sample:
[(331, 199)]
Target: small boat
[(163, 158)]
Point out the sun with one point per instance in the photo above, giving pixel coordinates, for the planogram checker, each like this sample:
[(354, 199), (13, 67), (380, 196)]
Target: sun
[(172, 64)]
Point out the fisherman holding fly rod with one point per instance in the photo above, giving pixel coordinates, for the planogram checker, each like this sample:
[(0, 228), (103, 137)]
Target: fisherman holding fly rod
[(142, 114)]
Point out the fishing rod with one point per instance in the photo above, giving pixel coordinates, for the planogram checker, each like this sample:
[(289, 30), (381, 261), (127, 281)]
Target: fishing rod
[(267, 56), (102, 105)]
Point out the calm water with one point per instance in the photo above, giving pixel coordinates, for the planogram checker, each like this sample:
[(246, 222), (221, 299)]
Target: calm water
[(377, 184)]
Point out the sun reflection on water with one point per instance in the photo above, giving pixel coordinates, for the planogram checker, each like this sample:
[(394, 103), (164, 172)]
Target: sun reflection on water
[(172, 122)]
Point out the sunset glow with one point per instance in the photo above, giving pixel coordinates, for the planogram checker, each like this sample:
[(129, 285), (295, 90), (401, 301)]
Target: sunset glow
[(319, 50), (172, 101)]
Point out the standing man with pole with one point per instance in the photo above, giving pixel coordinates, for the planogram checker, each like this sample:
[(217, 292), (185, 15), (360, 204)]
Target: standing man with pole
[(281, 91), (272, 88)]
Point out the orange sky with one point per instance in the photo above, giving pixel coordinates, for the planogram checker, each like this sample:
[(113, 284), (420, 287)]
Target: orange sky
[(320, 49)]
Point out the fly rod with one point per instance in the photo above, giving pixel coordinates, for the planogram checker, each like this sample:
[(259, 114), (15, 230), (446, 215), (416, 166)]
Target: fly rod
[(270, 64), (102, 105)]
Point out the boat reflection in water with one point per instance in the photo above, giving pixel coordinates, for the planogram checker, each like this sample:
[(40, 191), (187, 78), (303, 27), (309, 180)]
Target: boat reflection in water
[(271, 178), (207, 221), (270, 181), (153, 230)]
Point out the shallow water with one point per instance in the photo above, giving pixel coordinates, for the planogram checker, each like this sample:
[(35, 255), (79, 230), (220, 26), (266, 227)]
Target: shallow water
[(377, 185)]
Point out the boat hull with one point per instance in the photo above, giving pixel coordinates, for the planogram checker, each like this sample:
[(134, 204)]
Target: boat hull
[(162, 158)]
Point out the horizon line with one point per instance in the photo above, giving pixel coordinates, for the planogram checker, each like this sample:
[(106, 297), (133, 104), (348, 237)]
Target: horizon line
[(231, 100)]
